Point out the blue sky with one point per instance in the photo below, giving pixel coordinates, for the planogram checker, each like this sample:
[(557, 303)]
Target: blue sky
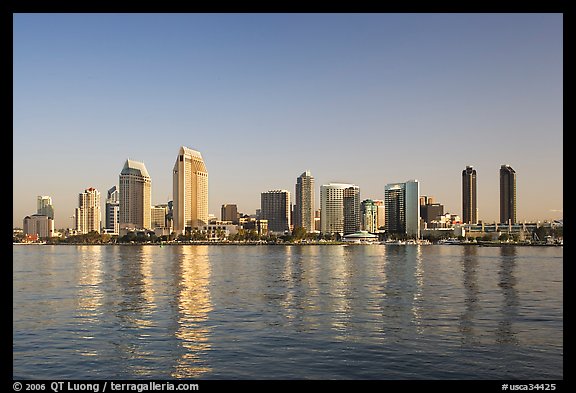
[(368, 99)]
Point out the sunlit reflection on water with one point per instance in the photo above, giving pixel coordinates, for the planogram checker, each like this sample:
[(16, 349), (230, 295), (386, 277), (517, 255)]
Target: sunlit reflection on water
[(193, 305)]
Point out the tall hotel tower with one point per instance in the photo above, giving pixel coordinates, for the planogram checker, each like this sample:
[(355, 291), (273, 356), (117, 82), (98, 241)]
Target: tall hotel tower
[(339, 208), (135, 196), (469, 207), (507, 194), (304, 204), (190, 191), (275, 207), (88, 216), (403, 208)]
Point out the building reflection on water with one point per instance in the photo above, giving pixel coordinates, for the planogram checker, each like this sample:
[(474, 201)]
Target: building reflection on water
[(299, 288), (505, 333), (194, 304), (397, 292), (471, 296)]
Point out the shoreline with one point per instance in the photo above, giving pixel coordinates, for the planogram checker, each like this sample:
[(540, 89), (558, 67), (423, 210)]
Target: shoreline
[(290, 244)]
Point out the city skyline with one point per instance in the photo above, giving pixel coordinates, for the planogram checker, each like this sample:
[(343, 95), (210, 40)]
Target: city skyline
[(367, 99), (140, 166)]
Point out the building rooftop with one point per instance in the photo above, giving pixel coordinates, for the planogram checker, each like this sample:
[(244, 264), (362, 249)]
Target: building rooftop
[(187, 151), (134, 168), (361, 235)]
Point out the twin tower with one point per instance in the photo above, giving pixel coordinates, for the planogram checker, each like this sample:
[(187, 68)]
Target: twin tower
[(190, 193)]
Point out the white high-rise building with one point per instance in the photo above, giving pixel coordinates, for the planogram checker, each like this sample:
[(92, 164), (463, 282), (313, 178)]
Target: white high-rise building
[(135, 196), (190, 191), (339, 208), (112, 211), (304, 203), (44, 206), (403, 208), (88, 215)]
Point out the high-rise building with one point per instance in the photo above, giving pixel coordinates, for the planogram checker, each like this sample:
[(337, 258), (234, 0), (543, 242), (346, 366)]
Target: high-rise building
[(403, 208), (351, 200), (469, 207), (394, 195), (112, 211), (135, 196), (229, 212), (507, 194), (190, 191), (369, 212), (88, 215), (339, 209), (381, 213), (304, 204), (38, 225), (275, 207), (44, 206)]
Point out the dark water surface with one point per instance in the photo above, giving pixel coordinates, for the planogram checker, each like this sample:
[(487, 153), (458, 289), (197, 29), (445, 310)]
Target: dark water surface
[(287, 312)]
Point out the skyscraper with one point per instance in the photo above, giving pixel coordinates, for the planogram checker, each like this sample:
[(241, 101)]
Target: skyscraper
[(112, 211), (275, 207), (507, 194), (44, 206), (469, 207), (135, 196), (403, 208), (351, 201), (339, 208), (304, 204), (369, 212), (88, 216), (190, 191), (381, 213)]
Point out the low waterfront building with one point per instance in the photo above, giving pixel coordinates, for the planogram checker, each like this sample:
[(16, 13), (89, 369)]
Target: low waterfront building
[(521, 231), (219, 230), (360, 237), (259, 225)]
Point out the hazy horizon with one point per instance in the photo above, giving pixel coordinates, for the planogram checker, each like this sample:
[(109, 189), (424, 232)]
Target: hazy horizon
[(368, 99)]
